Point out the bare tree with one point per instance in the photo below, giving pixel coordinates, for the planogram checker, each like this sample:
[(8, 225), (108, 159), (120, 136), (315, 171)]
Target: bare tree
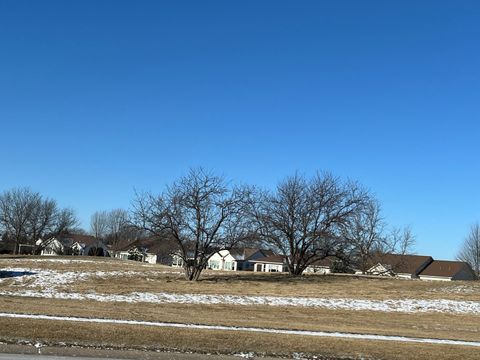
[(399, 241), (66, 221), (15, 208), (200, 211), (25, 217), (117, 222), (304, 218), (99, 224), (42, 217), (470, 250), (364, 234)]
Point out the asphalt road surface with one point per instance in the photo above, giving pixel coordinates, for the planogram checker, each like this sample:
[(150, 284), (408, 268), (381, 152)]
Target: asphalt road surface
[(46, 352), (159, 356)]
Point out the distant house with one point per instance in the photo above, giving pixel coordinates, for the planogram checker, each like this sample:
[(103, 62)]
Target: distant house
[(278, 263), (321, 266), (272, 263), (143, 250), (87, 245), (177, 259), (447, 270), (51, 247), (236, 259), (403, 266)]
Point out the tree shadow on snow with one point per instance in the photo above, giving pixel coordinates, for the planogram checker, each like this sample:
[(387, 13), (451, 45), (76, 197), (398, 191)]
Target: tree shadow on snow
[(11, 274)]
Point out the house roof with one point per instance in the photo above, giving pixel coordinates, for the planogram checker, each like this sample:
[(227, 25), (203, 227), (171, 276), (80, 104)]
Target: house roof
[(276, 259), (50, 241), (280, 259), (80, 238), (152, 244), (326, 262), (444, 268), (267, 252), (407, 264), (246, 253)]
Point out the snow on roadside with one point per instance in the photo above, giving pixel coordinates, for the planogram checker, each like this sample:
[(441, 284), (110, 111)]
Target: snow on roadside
[(248, 329)]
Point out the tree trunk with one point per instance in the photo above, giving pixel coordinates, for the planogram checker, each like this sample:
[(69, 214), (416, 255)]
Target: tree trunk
[(295, 269), (192, 273)]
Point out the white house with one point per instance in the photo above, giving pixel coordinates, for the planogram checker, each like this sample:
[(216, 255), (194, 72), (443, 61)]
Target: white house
[(236, 259), (177, 259), (272, 263), (321, 267), (380, 269), (51, 247), (137, 254), (222, 260)]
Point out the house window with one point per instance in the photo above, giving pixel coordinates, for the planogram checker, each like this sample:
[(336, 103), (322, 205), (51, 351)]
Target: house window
[(177, 261), (228, 265), (214, 264)]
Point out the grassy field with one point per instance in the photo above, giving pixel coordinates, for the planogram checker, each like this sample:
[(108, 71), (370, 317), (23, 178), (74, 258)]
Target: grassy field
[(104, 276)]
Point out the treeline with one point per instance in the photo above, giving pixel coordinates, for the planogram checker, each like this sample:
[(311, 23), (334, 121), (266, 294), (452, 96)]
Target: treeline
[(26, 216), (303, 218)]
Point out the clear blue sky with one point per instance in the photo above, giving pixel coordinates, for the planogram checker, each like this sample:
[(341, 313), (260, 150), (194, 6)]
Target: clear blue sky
[(100, 97)]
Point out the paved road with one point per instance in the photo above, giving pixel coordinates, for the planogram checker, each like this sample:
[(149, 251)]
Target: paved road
[(44, 357), (159, 356), (28, 352)]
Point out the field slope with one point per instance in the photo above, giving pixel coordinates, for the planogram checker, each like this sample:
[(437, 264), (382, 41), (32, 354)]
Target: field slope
[(128, 297)]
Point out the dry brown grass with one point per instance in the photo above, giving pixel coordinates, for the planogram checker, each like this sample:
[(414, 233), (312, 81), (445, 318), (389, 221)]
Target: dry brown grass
[(212, 341), (156, 278), (446, 326)]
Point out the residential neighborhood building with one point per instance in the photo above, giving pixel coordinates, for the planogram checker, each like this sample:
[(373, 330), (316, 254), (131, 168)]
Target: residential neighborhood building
[(50, 247), (399, 265), (322, 266), (442, 270), (278, 263), (236, 259), (72, 244), (272, 263), (147, 250)]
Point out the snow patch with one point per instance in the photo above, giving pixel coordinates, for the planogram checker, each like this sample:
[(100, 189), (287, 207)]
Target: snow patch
[(49, 280), (400, 306)]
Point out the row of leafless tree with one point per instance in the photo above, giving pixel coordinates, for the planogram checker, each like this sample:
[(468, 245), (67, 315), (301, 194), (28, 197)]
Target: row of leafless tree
[(26, 216), (304, 219)]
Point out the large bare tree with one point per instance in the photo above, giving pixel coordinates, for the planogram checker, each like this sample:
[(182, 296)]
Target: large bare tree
[(303, 218), (470, 250), (200, 211)]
